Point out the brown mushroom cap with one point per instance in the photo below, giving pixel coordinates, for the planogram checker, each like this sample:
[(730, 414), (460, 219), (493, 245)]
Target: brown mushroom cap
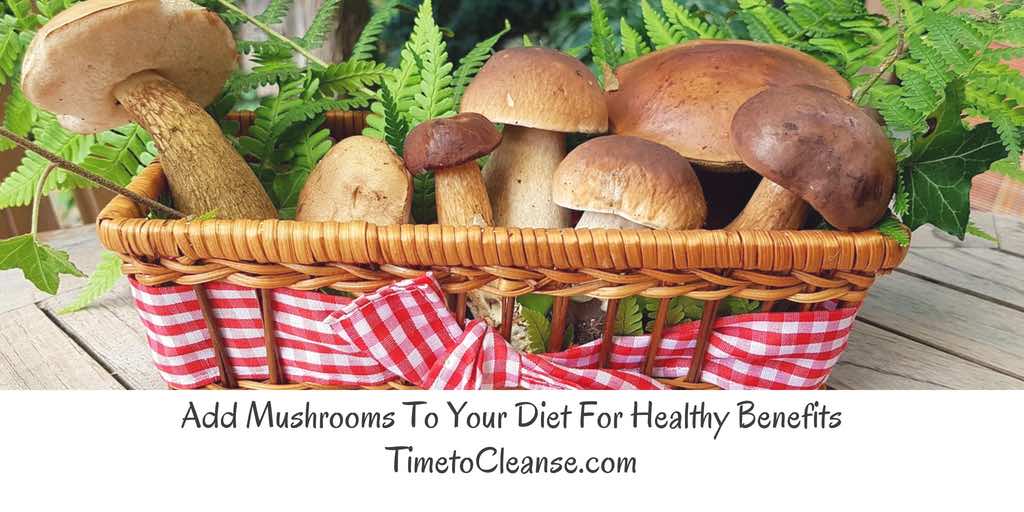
[(538, 88), (636, 179), (360, 178), (685, 96), (823, 148), (78, 58), (449, 141)]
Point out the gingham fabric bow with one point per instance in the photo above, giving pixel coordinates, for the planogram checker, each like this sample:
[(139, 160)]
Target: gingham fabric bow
[(405, 331)]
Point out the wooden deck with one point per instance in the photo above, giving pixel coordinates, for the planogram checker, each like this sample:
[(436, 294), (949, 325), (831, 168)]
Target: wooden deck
[(951, 317)]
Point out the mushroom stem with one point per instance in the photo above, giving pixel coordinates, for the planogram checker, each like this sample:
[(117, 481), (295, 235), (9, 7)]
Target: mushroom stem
[(204, 171), (606, 220), (772, 207), (462, 196), (519, 175)]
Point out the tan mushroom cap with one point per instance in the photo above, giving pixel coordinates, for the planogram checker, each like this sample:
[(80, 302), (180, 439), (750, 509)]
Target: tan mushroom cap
[(78, 58), (636, 179), (449, 141), (360, 178), (538, 88), (685, 96), (823, 148)]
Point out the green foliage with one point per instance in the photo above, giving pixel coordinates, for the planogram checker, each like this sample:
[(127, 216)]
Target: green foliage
[(120, 153), (605, 52), (633, 44), (435, 97), (536, 302), (19, 187), (101, 281), (538, 330), (892, 228), (629, 319), (321, 25), (471, 63), (366, 45), (423, 199), (40, 264)]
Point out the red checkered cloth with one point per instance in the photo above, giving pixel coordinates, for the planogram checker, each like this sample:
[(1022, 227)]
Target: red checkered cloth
[(404, 331)]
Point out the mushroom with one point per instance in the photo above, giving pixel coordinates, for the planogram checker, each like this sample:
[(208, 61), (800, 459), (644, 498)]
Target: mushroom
[(360, 178), (812, 145), (539, 95), (102, 63), (629, 182), (685, 96), (450, 146)]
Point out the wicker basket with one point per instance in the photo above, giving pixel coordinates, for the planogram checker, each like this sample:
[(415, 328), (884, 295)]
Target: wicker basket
[(805, 267)]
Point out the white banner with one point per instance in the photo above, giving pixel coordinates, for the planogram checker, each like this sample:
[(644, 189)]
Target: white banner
[(508, 450)]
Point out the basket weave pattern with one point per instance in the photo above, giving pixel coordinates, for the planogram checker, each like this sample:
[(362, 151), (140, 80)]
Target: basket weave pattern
[(806, 267)]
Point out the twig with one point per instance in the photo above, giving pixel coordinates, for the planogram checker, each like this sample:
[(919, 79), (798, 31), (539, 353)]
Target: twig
[(38, 198), (273, 33), (895, 55), (94, 178)]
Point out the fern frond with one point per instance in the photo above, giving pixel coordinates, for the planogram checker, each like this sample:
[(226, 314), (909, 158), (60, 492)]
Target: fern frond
[(352, 76), (119, 154), (657, 28), (685, 22), (270, 123), (102, 280), (367, 42), (435, 97), (322, 24), (273, 72), (945, 35), (271, 48), (310, 149), (275, 11), (471, 63), (892, 228), (19, 116), (11, 48), (19, 187), (25, 17), (386, 121), (602, 45), (633, 44)]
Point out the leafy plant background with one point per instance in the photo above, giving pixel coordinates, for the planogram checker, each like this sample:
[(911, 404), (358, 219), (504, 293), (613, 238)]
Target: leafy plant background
[(924, 67)]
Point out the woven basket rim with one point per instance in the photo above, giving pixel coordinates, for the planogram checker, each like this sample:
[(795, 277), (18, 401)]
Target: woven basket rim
[(123, 228)]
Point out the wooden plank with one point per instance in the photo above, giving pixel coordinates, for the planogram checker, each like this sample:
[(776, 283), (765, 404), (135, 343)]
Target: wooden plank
[(1010, 231), (111, 330), (932, 237), (971, 328), (986, 272), (878, 359), (84, 250), (35, 354)]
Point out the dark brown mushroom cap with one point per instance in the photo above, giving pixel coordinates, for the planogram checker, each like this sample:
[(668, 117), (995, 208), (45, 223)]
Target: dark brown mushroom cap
[(821, 147), (685, 96), (636, 179), (449, 141)]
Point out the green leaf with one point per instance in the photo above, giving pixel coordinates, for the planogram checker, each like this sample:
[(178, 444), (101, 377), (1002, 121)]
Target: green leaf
[(737, 306), (633, 44), (366, 45), (19, 116), (352, 76), (322, 24), (657, 27), (275, 11), (892, 228), (435, 97), (974, 230), (19, 187), (102, 280), (538, 330), (602, 41), (424, 203), (527, 42), (386, 121), (11, 48), (537, 302), (939, 171), (119, 154), (40, 264), (471, 63), (629, 320)]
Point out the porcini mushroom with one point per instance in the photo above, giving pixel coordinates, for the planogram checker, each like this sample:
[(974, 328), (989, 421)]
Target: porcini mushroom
[(628, 182), (449, 147), (539, 95), (812, 145), (102, 63), (685, 96), (360, 178)]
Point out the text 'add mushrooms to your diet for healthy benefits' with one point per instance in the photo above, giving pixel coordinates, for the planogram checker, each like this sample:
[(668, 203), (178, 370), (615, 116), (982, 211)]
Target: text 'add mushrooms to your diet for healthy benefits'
[(360, 178), (814, 146), (539, 95), (449, 147), (628, 182), (102, 63)]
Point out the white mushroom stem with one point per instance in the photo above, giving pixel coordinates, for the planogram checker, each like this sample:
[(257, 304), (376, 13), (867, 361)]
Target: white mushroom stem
[(519, 175), (203, 170), (772, 207), (606, 220), (462, 196)]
